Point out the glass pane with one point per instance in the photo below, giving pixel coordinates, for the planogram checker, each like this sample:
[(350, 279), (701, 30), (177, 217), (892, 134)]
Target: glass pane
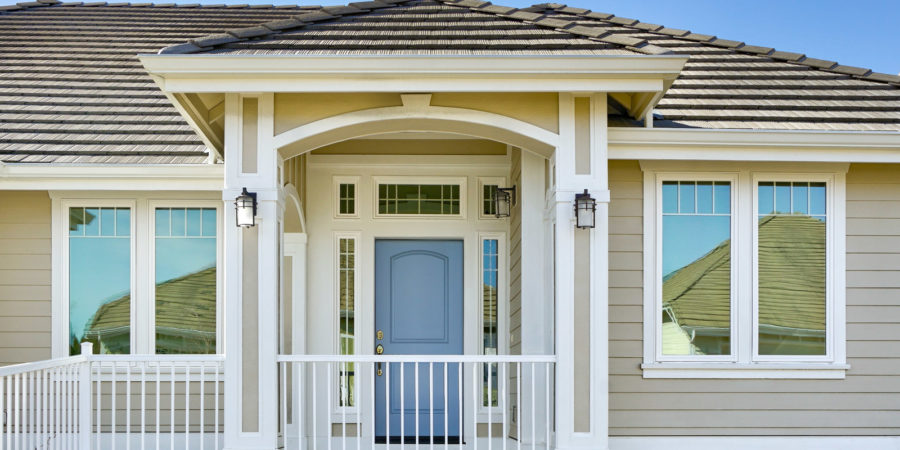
[(107, 221), (162, 220), (178, 222), (791, 255), (670, 196), (488, 199), (800, 195), (782, 198), (696, 276), (418, 199), (186, 285), (209, 222), (705, 197), (817, 199), (76, 221), (99, 284), (346, 200), (346, 318), (489, 301), (92, 221), (686, 197), (723, 197), (766, 198), (123, 222)]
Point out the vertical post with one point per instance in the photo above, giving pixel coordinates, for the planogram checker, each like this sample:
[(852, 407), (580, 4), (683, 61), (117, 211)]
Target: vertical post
[(84, 397), (252, 265)]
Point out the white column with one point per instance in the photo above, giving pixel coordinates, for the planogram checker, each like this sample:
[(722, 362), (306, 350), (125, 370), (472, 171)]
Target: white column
[(249, 373), (568, 182)]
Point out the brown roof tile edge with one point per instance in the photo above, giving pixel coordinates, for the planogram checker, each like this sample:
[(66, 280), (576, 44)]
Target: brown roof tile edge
[(790, 57), (311, 15)]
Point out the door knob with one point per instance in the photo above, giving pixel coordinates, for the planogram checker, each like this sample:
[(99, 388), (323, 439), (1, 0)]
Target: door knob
[(379, 349), (379, 335)]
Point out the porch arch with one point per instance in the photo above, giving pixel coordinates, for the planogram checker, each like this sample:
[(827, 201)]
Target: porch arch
[(416, 116)]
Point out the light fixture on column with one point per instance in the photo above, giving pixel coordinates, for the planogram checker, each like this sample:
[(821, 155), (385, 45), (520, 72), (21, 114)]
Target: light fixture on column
[(504, 199), (585, 210), (245, 209)]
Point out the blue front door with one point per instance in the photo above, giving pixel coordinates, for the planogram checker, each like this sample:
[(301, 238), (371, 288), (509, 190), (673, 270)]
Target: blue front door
[(418, 311)]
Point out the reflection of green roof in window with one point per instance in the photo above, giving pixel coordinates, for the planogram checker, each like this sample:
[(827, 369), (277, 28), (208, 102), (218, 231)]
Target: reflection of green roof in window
[(791, 287), (185, 308)]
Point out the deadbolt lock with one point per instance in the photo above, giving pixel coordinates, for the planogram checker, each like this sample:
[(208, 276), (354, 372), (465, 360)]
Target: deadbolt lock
[(379, 335), (379, 349)]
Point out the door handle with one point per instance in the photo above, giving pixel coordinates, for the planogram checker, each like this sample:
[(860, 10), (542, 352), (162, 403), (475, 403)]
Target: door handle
[(379, 349)]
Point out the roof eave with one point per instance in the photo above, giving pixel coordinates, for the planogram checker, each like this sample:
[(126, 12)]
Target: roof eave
[(413, 73)]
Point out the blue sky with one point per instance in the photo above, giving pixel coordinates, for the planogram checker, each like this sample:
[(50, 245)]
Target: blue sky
[(862, 33)]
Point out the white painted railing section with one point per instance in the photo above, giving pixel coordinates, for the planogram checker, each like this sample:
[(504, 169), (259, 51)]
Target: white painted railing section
[(113, 402), (317, 411)]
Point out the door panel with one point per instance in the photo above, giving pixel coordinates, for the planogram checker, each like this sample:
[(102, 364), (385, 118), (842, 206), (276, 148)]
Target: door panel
[(419, 310)]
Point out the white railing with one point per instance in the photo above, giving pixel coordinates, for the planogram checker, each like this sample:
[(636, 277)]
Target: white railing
[(112, 402), (472, 401)]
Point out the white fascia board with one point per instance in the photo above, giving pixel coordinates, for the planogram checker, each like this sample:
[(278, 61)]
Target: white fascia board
[(199, 177), (406, 73), (754, 145)]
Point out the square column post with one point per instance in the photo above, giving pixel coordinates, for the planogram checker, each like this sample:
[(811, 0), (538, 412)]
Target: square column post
[(252, 275), (581, 274)]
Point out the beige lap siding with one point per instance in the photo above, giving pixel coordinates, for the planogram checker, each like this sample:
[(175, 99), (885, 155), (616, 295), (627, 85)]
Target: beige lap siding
[(867, 402), (24, 276)]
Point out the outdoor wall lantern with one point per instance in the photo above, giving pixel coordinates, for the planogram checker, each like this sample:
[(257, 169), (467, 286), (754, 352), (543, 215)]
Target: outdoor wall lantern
[(585, 210), (504, 198), (245, 209)]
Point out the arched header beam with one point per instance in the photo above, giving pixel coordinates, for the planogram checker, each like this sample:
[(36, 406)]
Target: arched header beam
[(416, 115)]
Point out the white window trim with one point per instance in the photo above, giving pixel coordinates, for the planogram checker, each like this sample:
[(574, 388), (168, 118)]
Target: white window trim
[(493, 414), (348, 413), (462, 182), (745, 361), (142, 238), (337, 181), (500, 182)]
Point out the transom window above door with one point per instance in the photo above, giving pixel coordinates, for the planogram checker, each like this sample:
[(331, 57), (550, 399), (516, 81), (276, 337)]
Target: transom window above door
[(435, 198)]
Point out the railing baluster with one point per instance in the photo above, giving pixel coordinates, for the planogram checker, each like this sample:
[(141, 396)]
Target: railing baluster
[(202, 393), (344, 397), (446, 411), (301, 406), (490, 405), (17, 418), (99, 405), (128, 406), (476, 386), (284, 422), (387, 405), (416, 398), (533, 412), (547, 408), (143, 404), (402, 406), (459, 407), (3, 412), (187, 406), (315, 410), (502, 397), (519, 405), (216, 419), (431, 405), (172, 405), (156, 422), (329, 404), (57, 413)]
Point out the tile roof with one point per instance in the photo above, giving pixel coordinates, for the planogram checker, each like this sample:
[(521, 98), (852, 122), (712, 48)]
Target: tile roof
[(72, 90)]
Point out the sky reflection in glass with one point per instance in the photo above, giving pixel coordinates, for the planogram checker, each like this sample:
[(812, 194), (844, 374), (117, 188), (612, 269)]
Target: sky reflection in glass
[(696, 267), (185, 280), (100, 279)]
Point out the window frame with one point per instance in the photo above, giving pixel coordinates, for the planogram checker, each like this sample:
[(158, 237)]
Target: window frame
[(336, 408), (143, 262), (461, 182), (151, 250), (486, 413), (61, 321), (337, 181), (735, 263), (745, 361)]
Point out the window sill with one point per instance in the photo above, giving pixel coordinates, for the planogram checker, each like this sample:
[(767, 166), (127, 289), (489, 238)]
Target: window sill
[(812, 371)]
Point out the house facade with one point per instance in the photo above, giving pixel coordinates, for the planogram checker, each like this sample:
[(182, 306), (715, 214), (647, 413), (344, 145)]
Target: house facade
[(439, 223)]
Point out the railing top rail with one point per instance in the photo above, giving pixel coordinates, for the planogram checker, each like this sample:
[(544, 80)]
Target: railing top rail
[(41, 365), (157, 358), (420, 358)]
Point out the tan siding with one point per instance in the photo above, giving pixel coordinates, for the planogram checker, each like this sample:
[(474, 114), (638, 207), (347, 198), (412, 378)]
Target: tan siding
[(24, 276), (515, 260), (866, 403)]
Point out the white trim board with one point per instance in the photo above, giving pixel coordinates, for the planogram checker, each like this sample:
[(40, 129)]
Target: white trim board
[(754, 145), (113, 177), (755, 442), (412, 73)]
